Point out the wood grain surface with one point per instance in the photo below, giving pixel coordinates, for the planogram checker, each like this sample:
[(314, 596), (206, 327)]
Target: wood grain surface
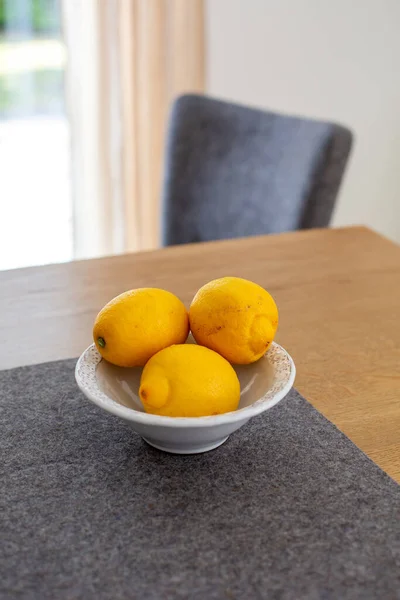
[(338, 292)]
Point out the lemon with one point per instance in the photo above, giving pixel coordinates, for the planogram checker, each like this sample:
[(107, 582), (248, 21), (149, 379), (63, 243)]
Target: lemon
[(187, 380), (137, 324), (234, 317)]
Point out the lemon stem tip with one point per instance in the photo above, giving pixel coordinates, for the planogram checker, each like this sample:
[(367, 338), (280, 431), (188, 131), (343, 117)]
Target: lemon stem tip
[(101, 342)]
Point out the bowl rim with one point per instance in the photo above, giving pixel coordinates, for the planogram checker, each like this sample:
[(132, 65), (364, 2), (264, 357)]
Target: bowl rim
[(85, 375)]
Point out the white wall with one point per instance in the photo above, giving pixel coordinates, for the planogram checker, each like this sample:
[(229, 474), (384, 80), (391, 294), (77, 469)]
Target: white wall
[(328, 59)]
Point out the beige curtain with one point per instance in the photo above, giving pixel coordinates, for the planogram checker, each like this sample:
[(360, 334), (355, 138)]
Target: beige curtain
[(127, 60)]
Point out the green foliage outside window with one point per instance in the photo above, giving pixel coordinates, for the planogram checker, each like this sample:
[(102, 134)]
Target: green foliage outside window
[(37, 16)]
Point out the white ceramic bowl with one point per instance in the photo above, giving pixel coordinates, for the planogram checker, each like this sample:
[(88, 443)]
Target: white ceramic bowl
[(115, 389)]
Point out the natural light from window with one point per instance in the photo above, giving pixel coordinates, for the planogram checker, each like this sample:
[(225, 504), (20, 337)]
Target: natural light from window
[(35, 197)]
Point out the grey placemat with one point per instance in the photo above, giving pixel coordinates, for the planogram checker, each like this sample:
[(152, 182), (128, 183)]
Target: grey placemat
[(287, 508)]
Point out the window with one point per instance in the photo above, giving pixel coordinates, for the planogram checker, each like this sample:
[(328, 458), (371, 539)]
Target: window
[(35, 199)]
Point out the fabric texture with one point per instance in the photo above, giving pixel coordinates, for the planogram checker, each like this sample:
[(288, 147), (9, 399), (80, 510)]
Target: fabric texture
[(287, 508), (233, 171)]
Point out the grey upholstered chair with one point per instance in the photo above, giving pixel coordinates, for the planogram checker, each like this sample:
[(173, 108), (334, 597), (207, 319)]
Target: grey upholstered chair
[(234, 171)]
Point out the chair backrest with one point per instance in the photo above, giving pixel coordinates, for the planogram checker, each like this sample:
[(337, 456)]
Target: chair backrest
[(233, 171)]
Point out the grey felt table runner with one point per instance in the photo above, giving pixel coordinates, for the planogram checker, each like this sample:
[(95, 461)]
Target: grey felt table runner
[(287, 508)]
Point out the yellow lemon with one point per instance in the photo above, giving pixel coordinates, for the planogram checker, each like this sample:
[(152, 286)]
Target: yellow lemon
[(187, 380), (137, 324), (234, 317)]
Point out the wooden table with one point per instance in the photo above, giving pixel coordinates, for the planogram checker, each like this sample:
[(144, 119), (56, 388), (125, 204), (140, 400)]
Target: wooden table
[(338, 292)]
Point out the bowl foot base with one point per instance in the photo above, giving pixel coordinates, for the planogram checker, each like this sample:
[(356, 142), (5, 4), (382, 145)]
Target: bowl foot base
[(197, 449)]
